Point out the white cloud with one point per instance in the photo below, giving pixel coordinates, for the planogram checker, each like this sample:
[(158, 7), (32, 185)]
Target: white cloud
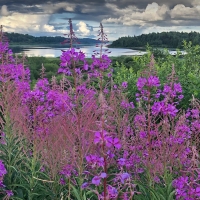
[(133, 16), (52, 8), (88, 9), (182, 12), (154, 13), (83, 29), (117, 11), (29, 23), (196, 3), (4, 11)]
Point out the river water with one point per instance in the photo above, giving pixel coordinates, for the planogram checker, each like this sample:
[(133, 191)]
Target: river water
[(49, 51), (88, 50)]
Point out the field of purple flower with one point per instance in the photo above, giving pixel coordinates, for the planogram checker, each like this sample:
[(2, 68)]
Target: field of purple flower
[(83, 139)]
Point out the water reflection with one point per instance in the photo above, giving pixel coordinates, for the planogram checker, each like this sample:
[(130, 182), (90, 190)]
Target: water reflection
[(88, 50)]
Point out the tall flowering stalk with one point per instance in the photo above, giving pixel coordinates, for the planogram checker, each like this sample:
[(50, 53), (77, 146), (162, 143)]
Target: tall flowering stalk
[(78, 124), (102, 163), (187, 185), (12, 75), (71, 35)]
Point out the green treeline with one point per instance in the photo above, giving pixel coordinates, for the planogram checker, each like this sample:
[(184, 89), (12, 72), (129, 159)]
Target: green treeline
[(164, 40), (17, 38)]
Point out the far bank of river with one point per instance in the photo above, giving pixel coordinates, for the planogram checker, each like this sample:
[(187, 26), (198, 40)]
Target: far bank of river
[(56, 50)]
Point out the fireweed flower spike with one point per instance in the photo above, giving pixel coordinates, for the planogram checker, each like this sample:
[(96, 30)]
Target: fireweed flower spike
[(100, 59), (71, 36), (103, 164), (73, 62)]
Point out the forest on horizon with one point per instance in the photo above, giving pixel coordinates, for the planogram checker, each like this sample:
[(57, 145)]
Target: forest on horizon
[(163, 40), (18, 38)]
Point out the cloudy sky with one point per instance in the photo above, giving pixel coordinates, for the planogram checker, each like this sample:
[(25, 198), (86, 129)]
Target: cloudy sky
[(119, 17)]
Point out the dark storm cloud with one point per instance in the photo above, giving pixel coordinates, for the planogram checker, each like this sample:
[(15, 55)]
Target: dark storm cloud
[(95, 10), (21, 5), (24, 3), (138, 3), (143, 3), (24, 8)]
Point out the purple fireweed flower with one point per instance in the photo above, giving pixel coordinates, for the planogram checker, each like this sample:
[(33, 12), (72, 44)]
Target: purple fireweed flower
[(124, 176), (22, 87), (141, 83), (115, 142), (42, 169), (3, 170), (125, 84), (197, 190), (1, 184), (158, 107), (166, 89), (163, 108), (140, 170), (109, 75), (132, 105), (177, 88), (195, 113), (171, 110), (121, 161), (153, 81), (2, 139), (157, 95), (85, 66), (125, 104), (103, 175), (174, 91), (78, 70), (143, 134), (186, 188), (102, 137), (115, 86), (96, 180), (84, 185), (14, 72), (110, 154), (69, 60), (156, 179), (95, 160), (9, 193), (62, 181), (102, 63), (42, 85), (106, 91), (112, 192), (67, 171)]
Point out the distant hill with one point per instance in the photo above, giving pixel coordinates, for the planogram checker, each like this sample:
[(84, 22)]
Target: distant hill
[(17, 38), (164, 39)]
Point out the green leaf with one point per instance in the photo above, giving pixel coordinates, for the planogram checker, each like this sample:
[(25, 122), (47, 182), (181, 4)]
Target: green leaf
[(171, 195), (76, 193)]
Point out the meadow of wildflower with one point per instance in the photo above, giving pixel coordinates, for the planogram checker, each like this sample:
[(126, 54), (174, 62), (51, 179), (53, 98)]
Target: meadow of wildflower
[(94, 136)]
